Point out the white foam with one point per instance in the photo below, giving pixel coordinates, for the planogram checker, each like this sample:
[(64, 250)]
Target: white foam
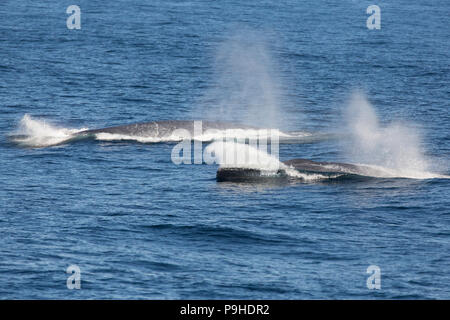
[(104, 136), (408, 173), (39, 133), (207, 136)]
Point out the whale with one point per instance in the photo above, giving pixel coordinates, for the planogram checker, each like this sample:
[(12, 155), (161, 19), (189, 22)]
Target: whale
[(332, 168), (305, 166), (159, 129), (163, 131), (37, 133)]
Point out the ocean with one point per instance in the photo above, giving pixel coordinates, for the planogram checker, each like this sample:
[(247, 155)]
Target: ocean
[(135, 225)]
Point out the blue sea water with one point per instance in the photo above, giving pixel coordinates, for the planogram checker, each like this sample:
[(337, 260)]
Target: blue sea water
[(140, 227)]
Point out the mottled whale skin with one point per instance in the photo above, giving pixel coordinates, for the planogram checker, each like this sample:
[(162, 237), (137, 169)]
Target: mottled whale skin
[(309, 166), (301, 165), (165, 128)]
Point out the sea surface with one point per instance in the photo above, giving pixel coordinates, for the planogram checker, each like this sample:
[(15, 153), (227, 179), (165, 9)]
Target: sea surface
[(139, 226)]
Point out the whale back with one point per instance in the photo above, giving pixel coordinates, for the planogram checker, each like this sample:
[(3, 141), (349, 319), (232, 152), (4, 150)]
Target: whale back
[(164, 128)]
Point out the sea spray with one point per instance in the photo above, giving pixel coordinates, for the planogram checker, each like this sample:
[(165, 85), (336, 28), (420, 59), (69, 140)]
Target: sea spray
[(394, 147), (40, 133), (246, 85)]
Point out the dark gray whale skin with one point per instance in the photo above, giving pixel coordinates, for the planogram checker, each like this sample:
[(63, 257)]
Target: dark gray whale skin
[(164, 128), (301, 165)]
